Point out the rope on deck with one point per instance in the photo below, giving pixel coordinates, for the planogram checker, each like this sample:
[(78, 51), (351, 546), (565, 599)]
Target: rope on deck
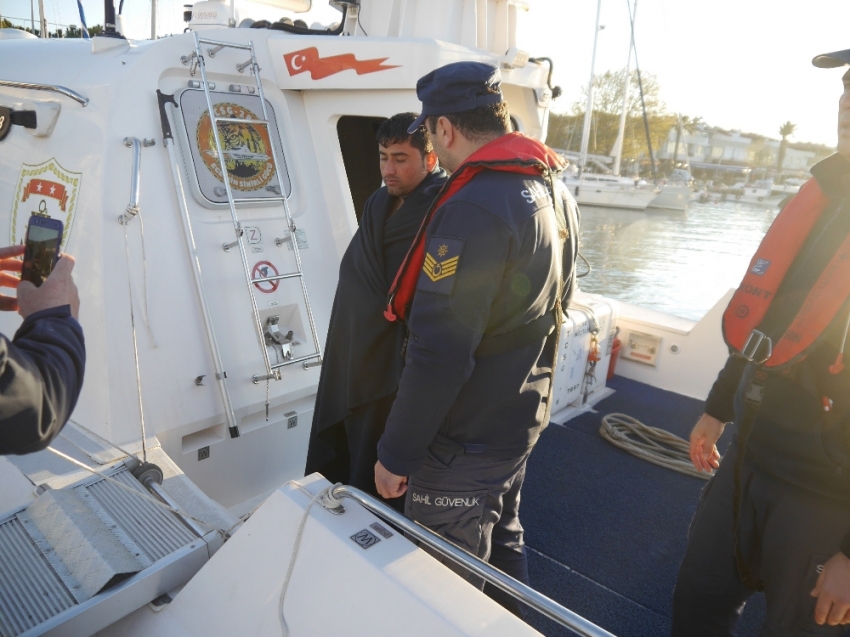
[(652, 444)]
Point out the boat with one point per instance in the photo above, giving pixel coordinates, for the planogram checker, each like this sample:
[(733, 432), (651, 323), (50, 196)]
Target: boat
[(607, 189), (674, 192), (209, 183), (592, 189)]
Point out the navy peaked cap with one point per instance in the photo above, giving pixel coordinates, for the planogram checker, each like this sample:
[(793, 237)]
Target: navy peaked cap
[(456, 87), (832, 60)]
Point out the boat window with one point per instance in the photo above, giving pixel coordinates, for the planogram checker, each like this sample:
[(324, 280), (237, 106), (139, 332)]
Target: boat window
[(247, 148), (360, 156)]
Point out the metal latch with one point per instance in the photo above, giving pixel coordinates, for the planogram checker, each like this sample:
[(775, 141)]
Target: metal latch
[(282, 343), (754, 345)]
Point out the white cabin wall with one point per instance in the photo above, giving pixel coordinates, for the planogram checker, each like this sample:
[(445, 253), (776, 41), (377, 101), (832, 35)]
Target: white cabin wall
[(690, 354), (489, 25), (80, 143)]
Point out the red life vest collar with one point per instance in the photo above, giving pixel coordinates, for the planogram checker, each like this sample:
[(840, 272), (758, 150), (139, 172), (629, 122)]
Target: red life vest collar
[(768, 268), (513, 153)]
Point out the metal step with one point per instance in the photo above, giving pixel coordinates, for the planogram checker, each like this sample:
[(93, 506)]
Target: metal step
[(59, 553)]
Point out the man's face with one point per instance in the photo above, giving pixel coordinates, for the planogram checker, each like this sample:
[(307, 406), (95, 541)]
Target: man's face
[(403, 167), (844, 119)]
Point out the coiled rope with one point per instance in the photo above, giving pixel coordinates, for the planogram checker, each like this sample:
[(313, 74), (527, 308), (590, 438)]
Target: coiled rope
[(652, 444)]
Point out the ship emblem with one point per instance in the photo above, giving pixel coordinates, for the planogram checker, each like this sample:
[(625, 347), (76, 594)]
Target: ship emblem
[(46, 189), (246, 148)]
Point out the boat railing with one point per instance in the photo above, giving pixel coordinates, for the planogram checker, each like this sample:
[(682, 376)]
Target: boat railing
[(474, 564), (47, 87)]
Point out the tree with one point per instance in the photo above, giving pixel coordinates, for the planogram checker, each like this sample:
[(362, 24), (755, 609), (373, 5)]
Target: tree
[(565, 130), (785, 130), (687, 125)]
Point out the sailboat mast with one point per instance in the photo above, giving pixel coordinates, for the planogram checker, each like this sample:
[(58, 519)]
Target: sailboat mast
[(153, 19), (42, 19), (588, 111), (621, 131)]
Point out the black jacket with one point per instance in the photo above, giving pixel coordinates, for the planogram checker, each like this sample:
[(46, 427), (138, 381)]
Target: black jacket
[(793, 438), (41, 375)]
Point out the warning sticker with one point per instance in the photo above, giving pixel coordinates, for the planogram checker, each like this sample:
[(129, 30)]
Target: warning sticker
[(265, 270)]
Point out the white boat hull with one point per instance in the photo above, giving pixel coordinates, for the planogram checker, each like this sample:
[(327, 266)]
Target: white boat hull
[(610, 195), (672, 197)]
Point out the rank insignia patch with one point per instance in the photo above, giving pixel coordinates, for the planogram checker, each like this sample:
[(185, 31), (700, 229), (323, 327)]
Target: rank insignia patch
[(442, 258)]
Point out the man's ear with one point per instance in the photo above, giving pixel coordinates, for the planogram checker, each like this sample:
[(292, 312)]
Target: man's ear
[(431, 160), (445, 130)]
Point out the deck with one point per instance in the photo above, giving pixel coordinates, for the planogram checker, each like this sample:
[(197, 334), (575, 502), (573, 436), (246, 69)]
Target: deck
[(605, 530)]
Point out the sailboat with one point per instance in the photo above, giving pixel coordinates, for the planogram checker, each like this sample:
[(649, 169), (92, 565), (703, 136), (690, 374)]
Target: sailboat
[(608, 190)]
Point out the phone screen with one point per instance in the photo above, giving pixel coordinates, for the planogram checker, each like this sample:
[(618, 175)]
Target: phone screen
[(41, 253)]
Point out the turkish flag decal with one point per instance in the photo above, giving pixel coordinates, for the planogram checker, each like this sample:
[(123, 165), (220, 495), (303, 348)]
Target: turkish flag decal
[(308, 60)]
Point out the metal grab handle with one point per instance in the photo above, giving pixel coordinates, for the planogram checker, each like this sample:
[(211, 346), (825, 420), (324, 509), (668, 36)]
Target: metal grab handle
[(133, 207), (475, 565), (47, 87)]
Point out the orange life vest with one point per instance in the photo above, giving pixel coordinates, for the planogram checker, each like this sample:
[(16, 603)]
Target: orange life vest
[(514, 153), (768, 268)]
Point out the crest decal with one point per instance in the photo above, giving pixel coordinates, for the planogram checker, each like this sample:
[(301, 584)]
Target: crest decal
[(247, 148), (46, 189)]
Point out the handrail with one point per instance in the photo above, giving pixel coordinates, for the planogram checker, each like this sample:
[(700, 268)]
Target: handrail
[(47, 87), (133, 207), (474, 564)]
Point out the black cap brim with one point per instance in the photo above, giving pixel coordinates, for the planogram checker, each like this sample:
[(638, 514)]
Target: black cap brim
[(416, 123), (832, 60)]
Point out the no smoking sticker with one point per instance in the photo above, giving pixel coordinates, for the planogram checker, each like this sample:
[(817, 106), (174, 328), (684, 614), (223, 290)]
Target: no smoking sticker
[(265, 270)]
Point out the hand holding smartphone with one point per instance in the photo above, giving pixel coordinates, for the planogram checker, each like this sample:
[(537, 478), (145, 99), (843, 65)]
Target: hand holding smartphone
[(44, 236)]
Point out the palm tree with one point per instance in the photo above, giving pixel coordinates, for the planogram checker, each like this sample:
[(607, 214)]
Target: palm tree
[(689, 125), (785, 130)]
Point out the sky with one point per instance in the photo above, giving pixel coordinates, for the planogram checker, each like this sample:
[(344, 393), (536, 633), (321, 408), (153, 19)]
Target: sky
[(738, 64)]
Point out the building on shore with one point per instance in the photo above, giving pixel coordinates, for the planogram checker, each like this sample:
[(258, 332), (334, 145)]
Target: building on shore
[(718, 154)]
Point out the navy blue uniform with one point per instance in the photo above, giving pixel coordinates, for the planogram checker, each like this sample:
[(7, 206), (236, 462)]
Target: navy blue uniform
[(463, 424), (41, 375), (795, 480)]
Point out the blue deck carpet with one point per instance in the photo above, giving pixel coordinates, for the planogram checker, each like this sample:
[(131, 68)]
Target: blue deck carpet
[(606, 530)]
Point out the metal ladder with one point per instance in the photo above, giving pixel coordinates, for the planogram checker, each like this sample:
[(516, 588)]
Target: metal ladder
[(310, 360)]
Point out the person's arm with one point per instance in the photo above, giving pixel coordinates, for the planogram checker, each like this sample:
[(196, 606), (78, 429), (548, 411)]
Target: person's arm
[(447, 321), (41, 370), (719, 409)]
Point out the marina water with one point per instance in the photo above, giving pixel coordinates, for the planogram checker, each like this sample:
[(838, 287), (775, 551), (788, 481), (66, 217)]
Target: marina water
[(680, 264)]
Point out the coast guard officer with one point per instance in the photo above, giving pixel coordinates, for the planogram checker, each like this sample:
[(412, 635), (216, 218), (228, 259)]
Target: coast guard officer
[(489, 269), (776, 516)]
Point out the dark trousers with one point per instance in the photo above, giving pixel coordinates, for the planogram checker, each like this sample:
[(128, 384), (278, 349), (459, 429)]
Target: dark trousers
[(354, 448), (473, 501), (786, 534)]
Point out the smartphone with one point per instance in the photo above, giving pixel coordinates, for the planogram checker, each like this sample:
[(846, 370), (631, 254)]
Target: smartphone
[(44, 235)]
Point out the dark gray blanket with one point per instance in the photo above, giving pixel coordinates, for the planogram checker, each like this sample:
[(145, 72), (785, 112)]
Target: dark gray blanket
[(363, 360)]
